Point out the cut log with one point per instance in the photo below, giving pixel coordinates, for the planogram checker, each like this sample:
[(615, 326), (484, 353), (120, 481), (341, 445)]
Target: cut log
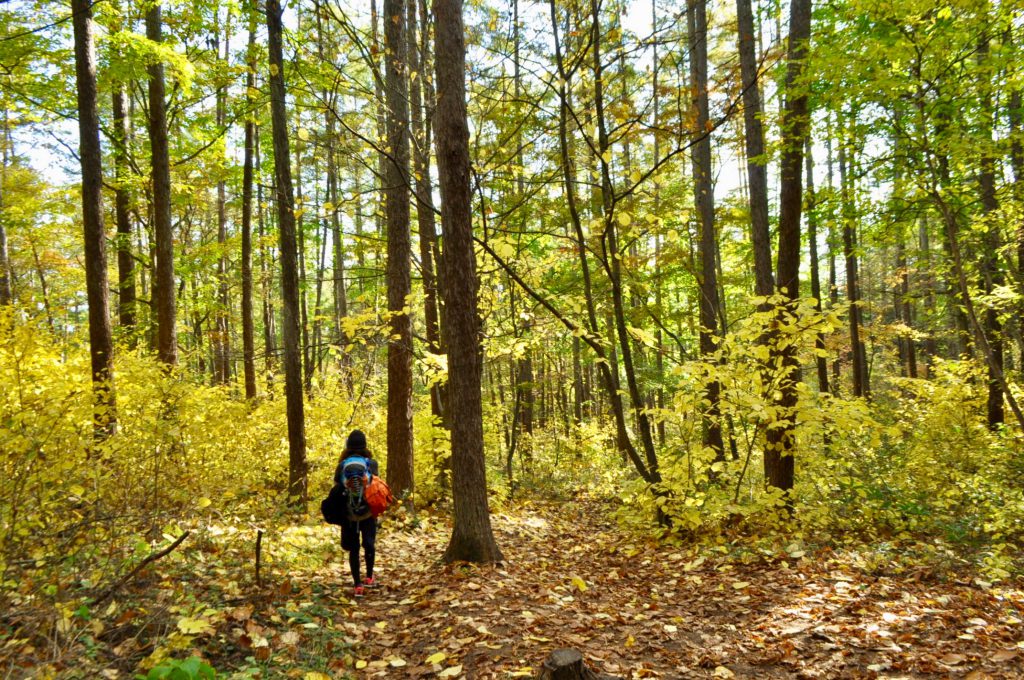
[(567, 664)]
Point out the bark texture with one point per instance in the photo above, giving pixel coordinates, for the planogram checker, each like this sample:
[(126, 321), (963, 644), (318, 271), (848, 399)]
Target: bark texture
[(472, 537), (297, 488), (399, 276), (101, 343), (163, 283)]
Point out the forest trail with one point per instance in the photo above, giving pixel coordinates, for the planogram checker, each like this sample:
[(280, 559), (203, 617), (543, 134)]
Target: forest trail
[(572, 579)]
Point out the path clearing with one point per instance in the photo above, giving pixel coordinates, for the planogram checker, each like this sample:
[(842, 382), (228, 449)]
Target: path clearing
[(573, 580)]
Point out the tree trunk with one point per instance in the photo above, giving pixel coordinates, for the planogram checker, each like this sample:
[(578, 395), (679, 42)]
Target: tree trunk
[(297, 486), (472, 538), (860, 380), (421, 141), (705, 201), (757, 170), (568, 664), (163, 281), (399, 282), (780, 445), (122, 210), (812, 239), (101, 343), (222, 344), (248, 334), (6, 296), (991, 276)]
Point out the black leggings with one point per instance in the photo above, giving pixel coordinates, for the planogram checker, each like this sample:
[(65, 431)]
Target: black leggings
[(350, 541)]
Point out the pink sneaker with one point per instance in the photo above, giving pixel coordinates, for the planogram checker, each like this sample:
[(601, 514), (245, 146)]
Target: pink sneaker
[(359, 591), (370, 582)]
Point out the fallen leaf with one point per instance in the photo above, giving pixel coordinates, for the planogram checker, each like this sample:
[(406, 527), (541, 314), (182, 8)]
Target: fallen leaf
[(579, 583), (953, 659), (450, 672), (436, 658), (1004, 655)]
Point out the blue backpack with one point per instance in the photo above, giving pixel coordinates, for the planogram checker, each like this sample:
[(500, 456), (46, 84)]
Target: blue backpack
[(355, 477)]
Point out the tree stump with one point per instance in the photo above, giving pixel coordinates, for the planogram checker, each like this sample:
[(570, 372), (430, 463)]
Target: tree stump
[(567, 664)]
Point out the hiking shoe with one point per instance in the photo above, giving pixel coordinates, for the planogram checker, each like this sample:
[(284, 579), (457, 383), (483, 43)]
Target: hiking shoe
[(370, 582), (359, 591)]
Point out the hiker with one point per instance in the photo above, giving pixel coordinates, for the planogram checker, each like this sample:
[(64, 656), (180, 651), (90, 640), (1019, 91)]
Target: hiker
[(353, 472)]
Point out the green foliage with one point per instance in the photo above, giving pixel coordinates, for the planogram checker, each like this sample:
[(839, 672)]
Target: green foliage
[(192, 668)]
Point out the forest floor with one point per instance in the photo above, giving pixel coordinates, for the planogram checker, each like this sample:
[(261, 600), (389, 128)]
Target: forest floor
[(571, 578)]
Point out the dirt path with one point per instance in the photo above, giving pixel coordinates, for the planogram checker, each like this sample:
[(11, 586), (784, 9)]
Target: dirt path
[(571, 579)]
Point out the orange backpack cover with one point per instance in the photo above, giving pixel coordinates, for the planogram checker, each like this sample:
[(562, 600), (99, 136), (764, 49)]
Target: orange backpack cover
[(378, 495)]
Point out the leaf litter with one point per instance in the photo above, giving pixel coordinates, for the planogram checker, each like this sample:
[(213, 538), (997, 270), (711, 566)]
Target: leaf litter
[(638, 610), (572, 578)]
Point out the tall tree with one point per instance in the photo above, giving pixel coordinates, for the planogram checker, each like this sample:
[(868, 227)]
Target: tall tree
[(248, 332), (122, 209), (420, 93), (101, 343), (297, 468), (163, 283), (780, 445), (222, 334), (472, 539), (399, 276), (704, 198), (757, 169)]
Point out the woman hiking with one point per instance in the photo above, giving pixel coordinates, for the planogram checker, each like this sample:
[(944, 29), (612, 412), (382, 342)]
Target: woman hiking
[(360, 527)]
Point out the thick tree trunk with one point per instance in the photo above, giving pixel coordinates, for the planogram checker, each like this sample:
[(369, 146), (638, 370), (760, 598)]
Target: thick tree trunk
[(704, 199), (122, 213), (163, 281), (297, 468), (101, 343), (399, 281), (472, 538), (780, 444), (248, 334)]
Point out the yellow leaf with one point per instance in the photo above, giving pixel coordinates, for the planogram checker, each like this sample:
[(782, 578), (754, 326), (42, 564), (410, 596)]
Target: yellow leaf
[(360, 664), (76, 490), (204, 502), (304, 134), (624, 219), (396, 662), (740, 585), (579, 583), (381, 624), (273, 69), (315, 675), (450, 672), (194, 626), (436, 658)]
